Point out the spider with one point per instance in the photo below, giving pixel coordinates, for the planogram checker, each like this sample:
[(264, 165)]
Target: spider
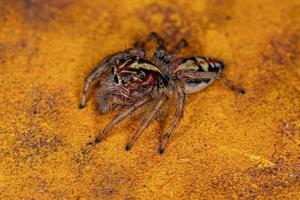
[(130, 82)]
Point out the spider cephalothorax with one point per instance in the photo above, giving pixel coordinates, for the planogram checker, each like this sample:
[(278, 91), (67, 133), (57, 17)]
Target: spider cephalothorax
[(130, 79), (130, 82), (137, 74)]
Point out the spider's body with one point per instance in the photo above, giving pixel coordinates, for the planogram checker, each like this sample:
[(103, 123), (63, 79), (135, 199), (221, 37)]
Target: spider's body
[(128, 81)]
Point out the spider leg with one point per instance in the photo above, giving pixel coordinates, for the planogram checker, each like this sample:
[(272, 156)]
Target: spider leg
[(105, 66), (199, 75), (230, 85), (146, 123), (161, 46), (104, 104), (177, 49), (95, 75), (120, 118), (161, 43), (161, 49), (178, 116)]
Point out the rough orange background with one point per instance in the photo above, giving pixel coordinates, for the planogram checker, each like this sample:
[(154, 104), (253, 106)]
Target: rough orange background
[(226, 147)]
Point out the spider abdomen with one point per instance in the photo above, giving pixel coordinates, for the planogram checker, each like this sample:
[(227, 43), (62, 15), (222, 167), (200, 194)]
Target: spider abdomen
[(191, 70)]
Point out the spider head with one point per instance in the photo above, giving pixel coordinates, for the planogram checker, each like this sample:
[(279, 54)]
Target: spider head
[(131, 79), (136, 74)]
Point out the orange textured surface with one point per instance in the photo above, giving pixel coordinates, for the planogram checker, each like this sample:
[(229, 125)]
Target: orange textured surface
[(226, 147)]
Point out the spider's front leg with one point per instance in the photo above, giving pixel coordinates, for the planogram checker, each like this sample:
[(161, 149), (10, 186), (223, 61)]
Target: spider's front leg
[(104, 67), (180, 99), (93, 77), (151, 116), (121, 117)]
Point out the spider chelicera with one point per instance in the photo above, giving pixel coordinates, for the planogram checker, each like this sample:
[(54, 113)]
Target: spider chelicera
[(129, 81)]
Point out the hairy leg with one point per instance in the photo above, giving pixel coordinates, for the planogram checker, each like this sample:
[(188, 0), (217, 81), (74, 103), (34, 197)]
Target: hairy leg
[(161, 49), (167, 58), (231, 86), (197, 75), (146, 123), (120, 118), (104, 67), (160, 42), (93, 77), (177, 49), (178, 116)]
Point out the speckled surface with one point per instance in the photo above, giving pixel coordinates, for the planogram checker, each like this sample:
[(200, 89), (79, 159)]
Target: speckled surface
[(226, 147)]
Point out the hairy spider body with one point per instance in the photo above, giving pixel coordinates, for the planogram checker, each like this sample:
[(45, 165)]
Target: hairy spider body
[(129, 82)]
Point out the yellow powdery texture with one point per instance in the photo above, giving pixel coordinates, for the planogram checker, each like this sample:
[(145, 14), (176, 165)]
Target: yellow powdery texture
[(226, 146)]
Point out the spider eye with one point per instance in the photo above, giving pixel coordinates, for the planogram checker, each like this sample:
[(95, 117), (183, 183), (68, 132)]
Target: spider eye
[(113, 71), (116, 79), (142, 75), (126, 79)]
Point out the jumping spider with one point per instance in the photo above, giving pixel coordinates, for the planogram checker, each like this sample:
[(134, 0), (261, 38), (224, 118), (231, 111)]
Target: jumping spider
[(130, 82)]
